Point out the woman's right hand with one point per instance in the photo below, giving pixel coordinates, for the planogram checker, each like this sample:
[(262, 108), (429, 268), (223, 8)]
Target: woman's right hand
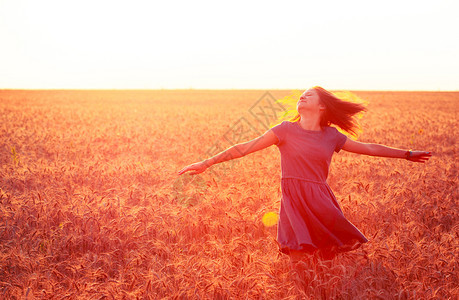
[(419, 156), (199, 167)]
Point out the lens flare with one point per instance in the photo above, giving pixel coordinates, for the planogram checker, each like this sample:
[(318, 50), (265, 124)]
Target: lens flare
[(270, 219)]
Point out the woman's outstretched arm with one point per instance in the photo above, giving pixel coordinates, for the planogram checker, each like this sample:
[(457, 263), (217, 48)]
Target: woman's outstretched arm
[(384, 151), (236, 151)]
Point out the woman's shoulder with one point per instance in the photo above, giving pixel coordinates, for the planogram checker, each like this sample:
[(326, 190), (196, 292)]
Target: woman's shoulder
[(285, 123), (331, 130), (335, 132)]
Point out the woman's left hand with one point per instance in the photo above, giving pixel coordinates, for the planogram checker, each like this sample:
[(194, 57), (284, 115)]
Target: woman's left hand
[(419, 156)]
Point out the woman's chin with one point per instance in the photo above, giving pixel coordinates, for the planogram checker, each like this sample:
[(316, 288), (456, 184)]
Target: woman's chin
[(301, 109)]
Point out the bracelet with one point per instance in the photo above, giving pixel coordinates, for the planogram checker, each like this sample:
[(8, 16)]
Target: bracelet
[(408, 154)]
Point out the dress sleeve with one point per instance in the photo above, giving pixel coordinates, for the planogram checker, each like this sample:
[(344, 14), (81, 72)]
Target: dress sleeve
[(280, 130), (340, 140)]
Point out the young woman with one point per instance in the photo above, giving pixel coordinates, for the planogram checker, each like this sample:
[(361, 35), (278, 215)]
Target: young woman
[(310, 219)]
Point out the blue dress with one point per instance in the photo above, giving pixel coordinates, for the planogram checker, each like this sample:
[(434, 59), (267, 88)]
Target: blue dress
[(310, 218)]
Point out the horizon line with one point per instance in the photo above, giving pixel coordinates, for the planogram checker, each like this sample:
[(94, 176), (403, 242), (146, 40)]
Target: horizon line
[(210, 89)]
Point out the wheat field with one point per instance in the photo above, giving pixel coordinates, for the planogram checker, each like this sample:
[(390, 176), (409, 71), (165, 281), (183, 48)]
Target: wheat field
[(91, 206)]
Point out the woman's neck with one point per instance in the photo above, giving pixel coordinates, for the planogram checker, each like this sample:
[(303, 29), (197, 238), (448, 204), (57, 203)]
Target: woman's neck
[(310, 124)]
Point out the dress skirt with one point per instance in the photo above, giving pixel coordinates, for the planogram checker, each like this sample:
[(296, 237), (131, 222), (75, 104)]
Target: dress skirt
[(311, 219)]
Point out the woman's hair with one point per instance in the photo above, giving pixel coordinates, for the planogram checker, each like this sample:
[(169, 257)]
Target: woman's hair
[(337, 111)]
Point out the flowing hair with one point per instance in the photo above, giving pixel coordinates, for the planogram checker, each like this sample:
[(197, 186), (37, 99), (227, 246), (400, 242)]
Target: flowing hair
[(337, 111)]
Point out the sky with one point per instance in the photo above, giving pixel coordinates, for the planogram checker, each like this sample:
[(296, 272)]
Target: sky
[(352, 44)]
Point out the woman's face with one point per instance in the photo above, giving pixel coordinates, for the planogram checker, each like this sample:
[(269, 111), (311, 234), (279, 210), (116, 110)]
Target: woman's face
[(309, 101)]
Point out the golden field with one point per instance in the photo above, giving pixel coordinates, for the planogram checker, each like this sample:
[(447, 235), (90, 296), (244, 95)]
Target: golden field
[(92, 207)]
